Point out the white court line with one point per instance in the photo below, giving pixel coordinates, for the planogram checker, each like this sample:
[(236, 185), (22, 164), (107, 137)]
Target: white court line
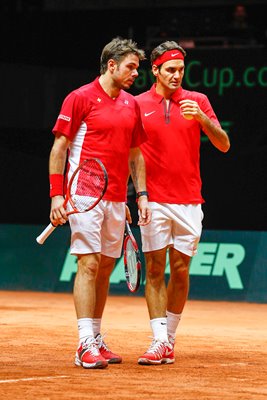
[(37, 378)]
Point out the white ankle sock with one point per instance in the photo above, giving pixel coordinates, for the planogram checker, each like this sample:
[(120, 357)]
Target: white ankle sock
[(172, 323), (96, 325), (159, 329), (85, 328)]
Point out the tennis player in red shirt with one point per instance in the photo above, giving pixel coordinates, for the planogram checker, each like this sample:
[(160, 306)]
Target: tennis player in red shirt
[(173, 119), (102, 120)]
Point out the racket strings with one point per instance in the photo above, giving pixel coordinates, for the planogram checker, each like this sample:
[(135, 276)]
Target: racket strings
[(131, 263), (87, 186)]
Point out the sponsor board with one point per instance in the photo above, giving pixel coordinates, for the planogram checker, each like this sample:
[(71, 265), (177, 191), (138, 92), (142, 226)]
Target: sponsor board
[(229, 265)]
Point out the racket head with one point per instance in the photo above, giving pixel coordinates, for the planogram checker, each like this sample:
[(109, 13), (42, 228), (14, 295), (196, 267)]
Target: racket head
[(87, 185), (132, 262)]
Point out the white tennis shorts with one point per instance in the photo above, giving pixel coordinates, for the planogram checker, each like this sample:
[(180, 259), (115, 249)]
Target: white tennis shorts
[(176, 225), (99, 230)]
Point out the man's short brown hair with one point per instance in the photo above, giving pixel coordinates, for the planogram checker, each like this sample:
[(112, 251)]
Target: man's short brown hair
[(117, 50)]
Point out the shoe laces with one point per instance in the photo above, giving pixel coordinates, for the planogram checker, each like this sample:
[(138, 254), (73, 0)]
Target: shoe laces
[(100, 341), (157, 346), (91, 346)]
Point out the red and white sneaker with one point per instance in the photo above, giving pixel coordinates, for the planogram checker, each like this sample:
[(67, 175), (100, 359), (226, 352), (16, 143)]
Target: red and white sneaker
[(88, 355), (158, 353), (105, 352), (171, 340)]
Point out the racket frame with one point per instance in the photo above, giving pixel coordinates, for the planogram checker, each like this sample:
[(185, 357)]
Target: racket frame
[(128, 236), (68, 195), (50, 228)]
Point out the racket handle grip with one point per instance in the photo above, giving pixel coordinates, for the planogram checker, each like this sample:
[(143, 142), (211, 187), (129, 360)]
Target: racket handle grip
[(46, 232)]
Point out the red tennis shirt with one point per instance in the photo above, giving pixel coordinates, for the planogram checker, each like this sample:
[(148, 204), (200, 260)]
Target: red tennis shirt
[(102, 127), (172, 150)]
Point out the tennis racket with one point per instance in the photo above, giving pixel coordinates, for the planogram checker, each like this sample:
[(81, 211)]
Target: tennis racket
[(85, 189), (132, 263)]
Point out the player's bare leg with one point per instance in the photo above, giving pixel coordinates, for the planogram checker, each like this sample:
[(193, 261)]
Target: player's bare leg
[(155, 291), (102, 288), (87, 354), (160, 350), (102, 284), (178, 285), (85, 285), (177, 290)]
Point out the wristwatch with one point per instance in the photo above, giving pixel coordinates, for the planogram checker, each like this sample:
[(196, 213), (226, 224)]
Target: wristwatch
[(143, 193)]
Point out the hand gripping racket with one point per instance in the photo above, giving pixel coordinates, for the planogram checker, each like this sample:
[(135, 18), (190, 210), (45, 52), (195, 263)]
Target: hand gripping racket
[(132, 263), (85, 189)]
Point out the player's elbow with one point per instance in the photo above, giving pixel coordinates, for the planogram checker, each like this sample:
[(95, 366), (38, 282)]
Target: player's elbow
[(225, 146)]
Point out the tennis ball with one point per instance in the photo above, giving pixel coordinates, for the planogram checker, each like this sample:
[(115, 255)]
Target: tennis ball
[(187, 116)]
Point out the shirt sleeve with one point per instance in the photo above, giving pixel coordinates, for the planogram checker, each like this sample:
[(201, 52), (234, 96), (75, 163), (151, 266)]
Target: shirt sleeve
[(71, 115)]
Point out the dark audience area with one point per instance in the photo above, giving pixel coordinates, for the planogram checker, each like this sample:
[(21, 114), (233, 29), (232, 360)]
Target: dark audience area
[(33, 32), (50, 47)]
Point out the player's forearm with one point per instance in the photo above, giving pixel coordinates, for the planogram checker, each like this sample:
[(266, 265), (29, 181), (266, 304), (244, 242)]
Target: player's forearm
[(138, 173), (58, 156), (137, 170), (57, 163), (216, 135)]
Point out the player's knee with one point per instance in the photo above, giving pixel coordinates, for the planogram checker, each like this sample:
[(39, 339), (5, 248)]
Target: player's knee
[(154, 274), (88, 267), (180, 274)]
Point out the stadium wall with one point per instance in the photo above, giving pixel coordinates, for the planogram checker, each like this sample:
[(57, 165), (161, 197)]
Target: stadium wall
[(229, 266)]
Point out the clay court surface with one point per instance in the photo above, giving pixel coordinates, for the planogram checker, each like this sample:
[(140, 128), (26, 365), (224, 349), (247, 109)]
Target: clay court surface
[(221, 351)]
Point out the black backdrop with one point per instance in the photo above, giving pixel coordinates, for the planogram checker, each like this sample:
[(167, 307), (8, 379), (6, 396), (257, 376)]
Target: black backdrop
[(234, 184), (35, 78)]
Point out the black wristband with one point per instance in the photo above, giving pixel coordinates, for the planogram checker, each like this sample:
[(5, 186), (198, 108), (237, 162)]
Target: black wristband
[(143, 193)]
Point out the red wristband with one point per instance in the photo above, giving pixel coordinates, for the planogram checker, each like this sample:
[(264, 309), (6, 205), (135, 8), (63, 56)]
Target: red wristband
[(56, 185)]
